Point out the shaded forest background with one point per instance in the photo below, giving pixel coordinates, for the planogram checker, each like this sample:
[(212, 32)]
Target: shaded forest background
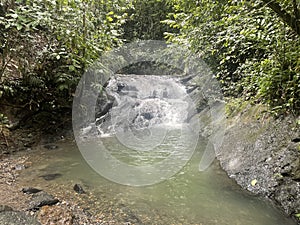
[(252, 47)]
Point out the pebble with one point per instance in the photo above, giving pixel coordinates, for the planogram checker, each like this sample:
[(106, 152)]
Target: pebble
[(19, 167), (78, 188)]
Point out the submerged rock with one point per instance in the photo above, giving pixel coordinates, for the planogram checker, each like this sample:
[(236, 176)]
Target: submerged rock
[(78, 189), (51, 176), (51, 146)]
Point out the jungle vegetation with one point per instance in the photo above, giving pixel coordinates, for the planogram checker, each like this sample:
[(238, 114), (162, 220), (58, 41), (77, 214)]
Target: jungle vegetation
[(252, 46)]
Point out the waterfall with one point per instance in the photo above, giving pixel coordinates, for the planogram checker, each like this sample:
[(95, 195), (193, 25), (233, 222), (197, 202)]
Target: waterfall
[(144, 102)]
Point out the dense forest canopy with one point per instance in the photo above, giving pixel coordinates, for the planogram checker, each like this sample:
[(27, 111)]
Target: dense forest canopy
[(253, 47)]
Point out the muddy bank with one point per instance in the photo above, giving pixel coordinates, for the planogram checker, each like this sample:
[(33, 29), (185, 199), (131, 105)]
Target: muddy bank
[(263, 155), (22, 130)]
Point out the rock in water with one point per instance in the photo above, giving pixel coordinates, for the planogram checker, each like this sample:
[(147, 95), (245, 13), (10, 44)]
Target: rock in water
[(51, 176), (40, 199), (50, 146), (78, 189), (30, 190)]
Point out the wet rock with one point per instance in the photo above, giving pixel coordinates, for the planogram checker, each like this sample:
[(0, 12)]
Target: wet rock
[(129, 216), (147, 115), (51, 176), (263, 150), (288, 195), (51, 146), (16, 218), (296, 140), (191, 89), (186, 79), (41, 199), (30, 190), (104, 104), (78, 188), (120, 86)]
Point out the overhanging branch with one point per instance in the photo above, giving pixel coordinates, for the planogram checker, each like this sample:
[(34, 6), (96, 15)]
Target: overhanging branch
[(290, 20)]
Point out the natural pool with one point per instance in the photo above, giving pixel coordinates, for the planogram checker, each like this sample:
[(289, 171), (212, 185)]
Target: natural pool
[(189, 197)]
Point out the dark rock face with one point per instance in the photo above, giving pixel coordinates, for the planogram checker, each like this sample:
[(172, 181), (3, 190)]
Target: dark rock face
[(104, 104), (79, 189), (41, 199), (17, 218), (51, 176), (262, 158), (297, 139), (30, 190)]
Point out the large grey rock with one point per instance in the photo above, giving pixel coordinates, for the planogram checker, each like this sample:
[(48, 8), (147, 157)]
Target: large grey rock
[(16, 218), (261, 157), (40, 199)]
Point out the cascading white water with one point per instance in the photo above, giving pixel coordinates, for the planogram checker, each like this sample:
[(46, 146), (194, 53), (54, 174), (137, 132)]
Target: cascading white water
[(150, 126), (144, 102)]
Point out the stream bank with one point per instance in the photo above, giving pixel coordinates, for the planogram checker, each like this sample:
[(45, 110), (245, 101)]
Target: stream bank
[(263, 155)]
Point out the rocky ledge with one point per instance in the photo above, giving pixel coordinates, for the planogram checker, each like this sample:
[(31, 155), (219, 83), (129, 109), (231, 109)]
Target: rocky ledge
[(263, 156)]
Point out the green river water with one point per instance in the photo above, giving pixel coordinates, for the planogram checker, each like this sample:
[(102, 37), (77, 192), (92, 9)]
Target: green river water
[(189, 197)]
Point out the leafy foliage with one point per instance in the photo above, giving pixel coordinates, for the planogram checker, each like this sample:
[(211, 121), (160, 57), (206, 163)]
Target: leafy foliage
[(253, 47), (145, 20), (46, 46), (250, 49)]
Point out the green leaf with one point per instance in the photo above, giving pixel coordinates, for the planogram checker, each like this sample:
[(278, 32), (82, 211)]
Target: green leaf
[(72, 68), (19, 26), (14, 15), (110, 19)]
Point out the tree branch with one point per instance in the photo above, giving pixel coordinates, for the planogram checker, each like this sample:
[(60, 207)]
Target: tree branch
[(290, 20), (296, 11)]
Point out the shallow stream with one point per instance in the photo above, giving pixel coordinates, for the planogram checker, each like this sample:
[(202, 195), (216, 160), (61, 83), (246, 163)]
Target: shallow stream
[(189, 197)]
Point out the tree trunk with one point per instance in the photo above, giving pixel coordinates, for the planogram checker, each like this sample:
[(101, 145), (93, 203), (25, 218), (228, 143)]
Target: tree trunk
[(291, 20)]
